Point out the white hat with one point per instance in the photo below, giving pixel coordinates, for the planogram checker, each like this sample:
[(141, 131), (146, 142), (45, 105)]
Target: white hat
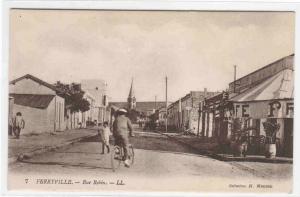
[(122, 110)]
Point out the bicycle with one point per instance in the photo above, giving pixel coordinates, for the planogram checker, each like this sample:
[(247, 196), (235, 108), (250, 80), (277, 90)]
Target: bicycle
[(118, 157)]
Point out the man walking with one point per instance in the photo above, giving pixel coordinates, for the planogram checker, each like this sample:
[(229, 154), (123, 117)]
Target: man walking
[(18, 124), (122, 128)]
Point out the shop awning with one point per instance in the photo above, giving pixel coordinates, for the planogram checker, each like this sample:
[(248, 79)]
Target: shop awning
[(279, 86), (273, 98)]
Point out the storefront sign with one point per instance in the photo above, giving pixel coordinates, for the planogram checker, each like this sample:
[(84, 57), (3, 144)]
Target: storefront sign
[(264, 109)]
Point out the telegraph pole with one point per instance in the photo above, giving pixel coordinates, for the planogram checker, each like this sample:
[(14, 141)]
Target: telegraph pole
[(166, 104), (155, 103), (234, 79)]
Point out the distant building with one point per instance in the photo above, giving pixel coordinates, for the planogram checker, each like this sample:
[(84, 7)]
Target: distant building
[(145, 108), (184, 113), (131, 100), (39, 102), (88, 117), (97, 89)]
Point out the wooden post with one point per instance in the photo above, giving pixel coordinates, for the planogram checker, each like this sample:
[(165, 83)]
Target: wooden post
[(207, 123), (203, 121), (54, 114), (199, 116), (213, 126), (166, 104)]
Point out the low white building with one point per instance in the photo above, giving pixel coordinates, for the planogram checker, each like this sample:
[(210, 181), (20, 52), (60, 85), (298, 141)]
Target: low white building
[(97, 89), (40, 104)]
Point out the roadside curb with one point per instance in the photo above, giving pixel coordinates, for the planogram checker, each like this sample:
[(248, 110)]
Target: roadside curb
[(229, 159), (44, 149)]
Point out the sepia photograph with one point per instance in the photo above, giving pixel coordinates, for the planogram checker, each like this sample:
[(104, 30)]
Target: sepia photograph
[(150, 101)]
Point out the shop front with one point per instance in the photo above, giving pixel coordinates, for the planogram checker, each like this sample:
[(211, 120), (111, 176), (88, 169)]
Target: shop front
[(271, 101), (253, 114)]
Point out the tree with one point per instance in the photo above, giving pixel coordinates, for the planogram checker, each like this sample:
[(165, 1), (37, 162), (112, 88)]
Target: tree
[(73, 95), (78, 103)]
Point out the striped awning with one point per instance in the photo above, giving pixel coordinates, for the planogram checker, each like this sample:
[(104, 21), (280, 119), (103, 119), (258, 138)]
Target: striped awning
[(279, 86)]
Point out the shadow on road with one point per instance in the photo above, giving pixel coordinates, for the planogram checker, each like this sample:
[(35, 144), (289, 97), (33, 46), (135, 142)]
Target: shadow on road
[(159, 144), (65, 164), (95, 138)]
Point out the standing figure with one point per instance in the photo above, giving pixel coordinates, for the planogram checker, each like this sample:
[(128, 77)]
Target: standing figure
[(105, 133), (99, 129), (18, 124), (122, 128), (10, 126)]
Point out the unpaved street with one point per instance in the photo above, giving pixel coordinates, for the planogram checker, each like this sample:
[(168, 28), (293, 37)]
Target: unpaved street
[(156, 157)]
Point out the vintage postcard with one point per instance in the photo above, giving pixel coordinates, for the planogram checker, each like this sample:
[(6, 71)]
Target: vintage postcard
[(150, 101)]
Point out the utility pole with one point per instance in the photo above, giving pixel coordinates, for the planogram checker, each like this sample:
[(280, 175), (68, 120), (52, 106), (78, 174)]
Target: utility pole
[(234, 79), (155, 104), (105, 102), (166, 104)]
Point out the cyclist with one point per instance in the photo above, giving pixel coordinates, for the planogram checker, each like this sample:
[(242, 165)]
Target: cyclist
[(122, 128)]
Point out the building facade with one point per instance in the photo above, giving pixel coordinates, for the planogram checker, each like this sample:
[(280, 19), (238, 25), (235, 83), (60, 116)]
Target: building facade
[(183, 114), (213, 117), (40, 104), (90, 116), (97, 89), (265, 95)]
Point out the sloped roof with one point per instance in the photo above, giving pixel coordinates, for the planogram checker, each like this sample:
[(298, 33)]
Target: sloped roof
[(279, 86), (140, 106), (144, 106), (118, 104), (32, 100), (28, 76), (275, 62)]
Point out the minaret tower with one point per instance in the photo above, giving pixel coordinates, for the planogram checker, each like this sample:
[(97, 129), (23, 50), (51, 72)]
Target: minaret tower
[(131, 98)]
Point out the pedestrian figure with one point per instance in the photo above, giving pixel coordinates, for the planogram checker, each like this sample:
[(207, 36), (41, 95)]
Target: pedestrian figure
[(18, 124), (10, 126), (105, 133), (244, 145), (99, 129)]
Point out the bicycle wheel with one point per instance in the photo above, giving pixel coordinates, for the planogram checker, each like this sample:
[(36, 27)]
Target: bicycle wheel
[(116, 157), (131, 154)]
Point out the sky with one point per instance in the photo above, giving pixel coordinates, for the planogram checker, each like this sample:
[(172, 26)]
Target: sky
[(194, 49)]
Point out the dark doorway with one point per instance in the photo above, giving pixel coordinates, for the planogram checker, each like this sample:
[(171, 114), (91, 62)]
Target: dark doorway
[(288, 137)]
